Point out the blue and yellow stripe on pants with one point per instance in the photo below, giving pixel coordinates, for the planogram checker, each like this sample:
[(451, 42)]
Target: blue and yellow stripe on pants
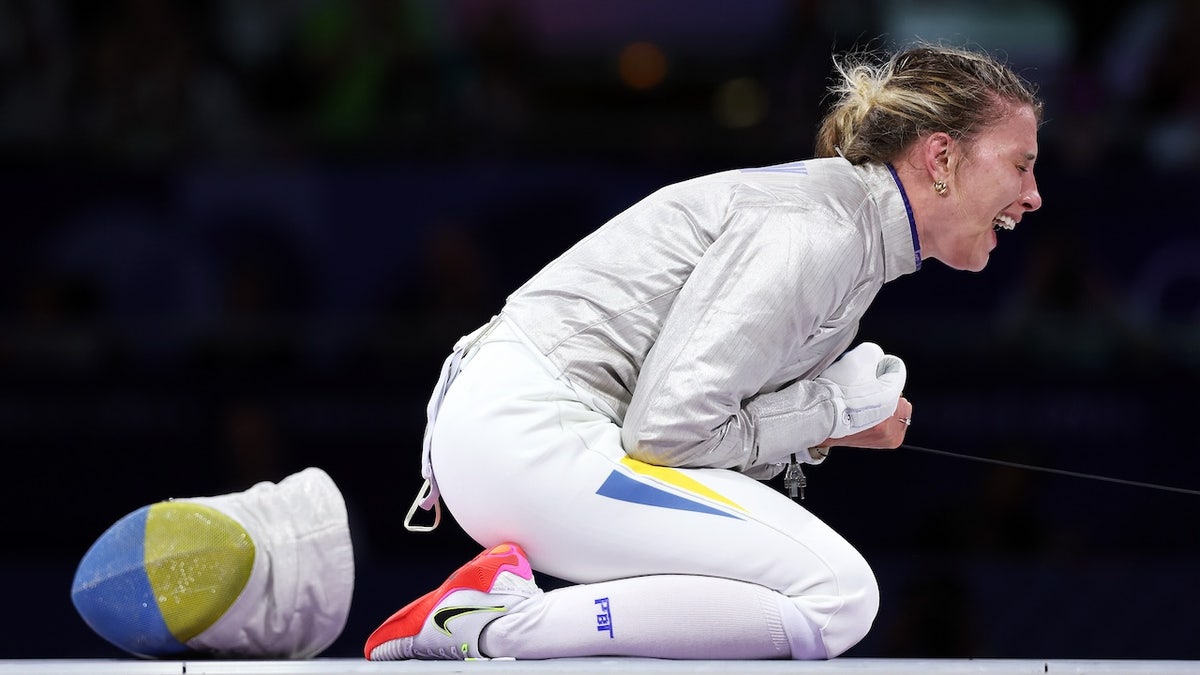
[(627, 488)]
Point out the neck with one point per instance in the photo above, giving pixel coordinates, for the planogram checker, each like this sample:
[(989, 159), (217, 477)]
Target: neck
[(917, 187)]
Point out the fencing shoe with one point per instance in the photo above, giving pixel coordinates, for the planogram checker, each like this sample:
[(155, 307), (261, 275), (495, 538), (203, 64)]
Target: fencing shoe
[(263, 573), (446, 623)]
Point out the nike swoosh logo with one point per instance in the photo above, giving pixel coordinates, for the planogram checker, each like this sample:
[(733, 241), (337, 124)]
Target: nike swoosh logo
[(443, 615)]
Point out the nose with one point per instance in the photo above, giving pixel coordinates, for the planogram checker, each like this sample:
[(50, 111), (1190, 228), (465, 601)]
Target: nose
[(1032, 199)]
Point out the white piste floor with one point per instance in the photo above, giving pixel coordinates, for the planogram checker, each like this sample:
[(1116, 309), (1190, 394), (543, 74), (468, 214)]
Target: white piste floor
[(598, 666)]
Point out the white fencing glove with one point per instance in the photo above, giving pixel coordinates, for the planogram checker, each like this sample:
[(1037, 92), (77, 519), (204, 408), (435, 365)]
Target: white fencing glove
[(866, 387)]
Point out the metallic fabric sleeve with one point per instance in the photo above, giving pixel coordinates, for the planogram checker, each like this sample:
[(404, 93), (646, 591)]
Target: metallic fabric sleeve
[(761, 291), (698, 317)]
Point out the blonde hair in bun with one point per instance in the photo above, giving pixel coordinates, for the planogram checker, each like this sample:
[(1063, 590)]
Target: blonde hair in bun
[(882, 103)]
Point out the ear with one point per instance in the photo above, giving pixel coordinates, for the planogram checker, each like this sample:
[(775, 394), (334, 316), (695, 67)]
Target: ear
[(937, 155)]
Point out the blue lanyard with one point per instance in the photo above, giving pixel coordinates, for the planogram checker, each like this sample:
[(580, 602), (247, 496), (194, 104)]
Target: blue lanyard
[(912, 224)]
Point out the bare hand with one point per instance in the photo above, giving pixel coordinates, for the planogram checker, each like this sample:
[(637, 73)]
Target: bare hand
[(887, 435)]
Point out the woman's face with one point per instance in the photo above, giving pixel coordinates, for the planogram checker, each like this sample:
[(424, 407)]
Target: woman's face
[(992, 187)]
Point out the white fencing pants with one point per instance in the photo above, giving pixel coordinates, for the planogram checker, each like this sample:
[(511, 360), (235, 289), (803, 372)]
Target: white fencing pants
[(519, 457)]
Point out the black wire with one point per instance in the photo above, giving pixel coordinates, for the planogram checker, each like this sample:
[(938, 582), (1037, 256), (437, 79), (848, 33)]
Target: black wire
[(1075, 474)]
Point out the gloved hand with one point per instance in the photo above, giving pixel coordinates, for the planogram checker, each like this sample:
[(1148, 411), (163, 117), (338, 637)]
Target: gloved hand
[(866, 385)]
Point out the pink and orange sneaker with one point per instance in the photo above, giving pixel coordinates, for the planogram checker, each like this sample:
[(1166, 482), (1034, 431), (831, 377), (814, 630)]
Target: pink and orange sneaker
[(446, 623)]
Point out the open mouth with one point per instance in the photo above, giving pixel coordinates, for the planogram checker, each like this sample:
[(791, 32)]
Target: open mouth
[(1003, 222)]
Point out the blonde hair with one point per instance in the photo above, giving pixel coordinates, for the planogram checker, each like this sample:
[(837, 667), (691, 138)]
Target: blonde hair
[(881, 104)]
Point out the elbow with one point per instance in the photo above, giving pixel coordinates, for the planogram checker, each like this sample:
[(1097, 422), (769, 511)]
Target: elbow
[(650, 451), (662, 450)]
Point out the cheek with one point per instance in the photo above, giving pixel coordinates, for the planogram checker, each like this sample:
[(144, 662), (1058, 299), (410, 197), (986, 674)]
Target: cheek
[(991, 185), (975, 213), (1006, 187), (990, 200)]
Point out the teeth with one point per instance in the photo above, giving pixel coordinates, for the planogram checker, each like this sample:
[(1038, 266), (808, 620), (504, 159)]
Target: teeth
[(1004, 222)]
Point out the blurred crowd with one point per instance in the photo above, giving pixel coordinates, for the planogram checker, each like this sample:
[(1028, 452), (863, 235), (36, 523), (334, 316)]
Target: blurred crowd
[(137, 82)]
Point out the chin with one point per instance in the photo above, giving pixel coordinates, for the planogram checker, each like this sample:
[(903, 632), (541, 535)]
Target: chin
[(970, 265)]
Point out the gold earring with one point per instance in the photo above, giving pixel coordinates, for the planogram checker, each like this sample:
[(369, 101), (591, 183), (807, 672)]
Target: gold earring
[(940, 187)]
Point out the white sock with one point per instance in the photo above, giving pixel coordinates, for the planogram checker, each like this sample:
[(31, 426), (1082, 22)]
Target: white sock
[(659, 616)]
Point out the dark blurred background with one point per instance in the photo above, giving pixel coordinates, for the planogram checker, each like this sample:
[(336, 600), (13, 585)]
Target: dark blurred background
[(239, 236)]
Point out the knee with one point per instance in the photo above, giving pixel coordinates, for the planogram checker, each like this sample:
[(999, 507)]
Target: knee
[(859, 594)]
